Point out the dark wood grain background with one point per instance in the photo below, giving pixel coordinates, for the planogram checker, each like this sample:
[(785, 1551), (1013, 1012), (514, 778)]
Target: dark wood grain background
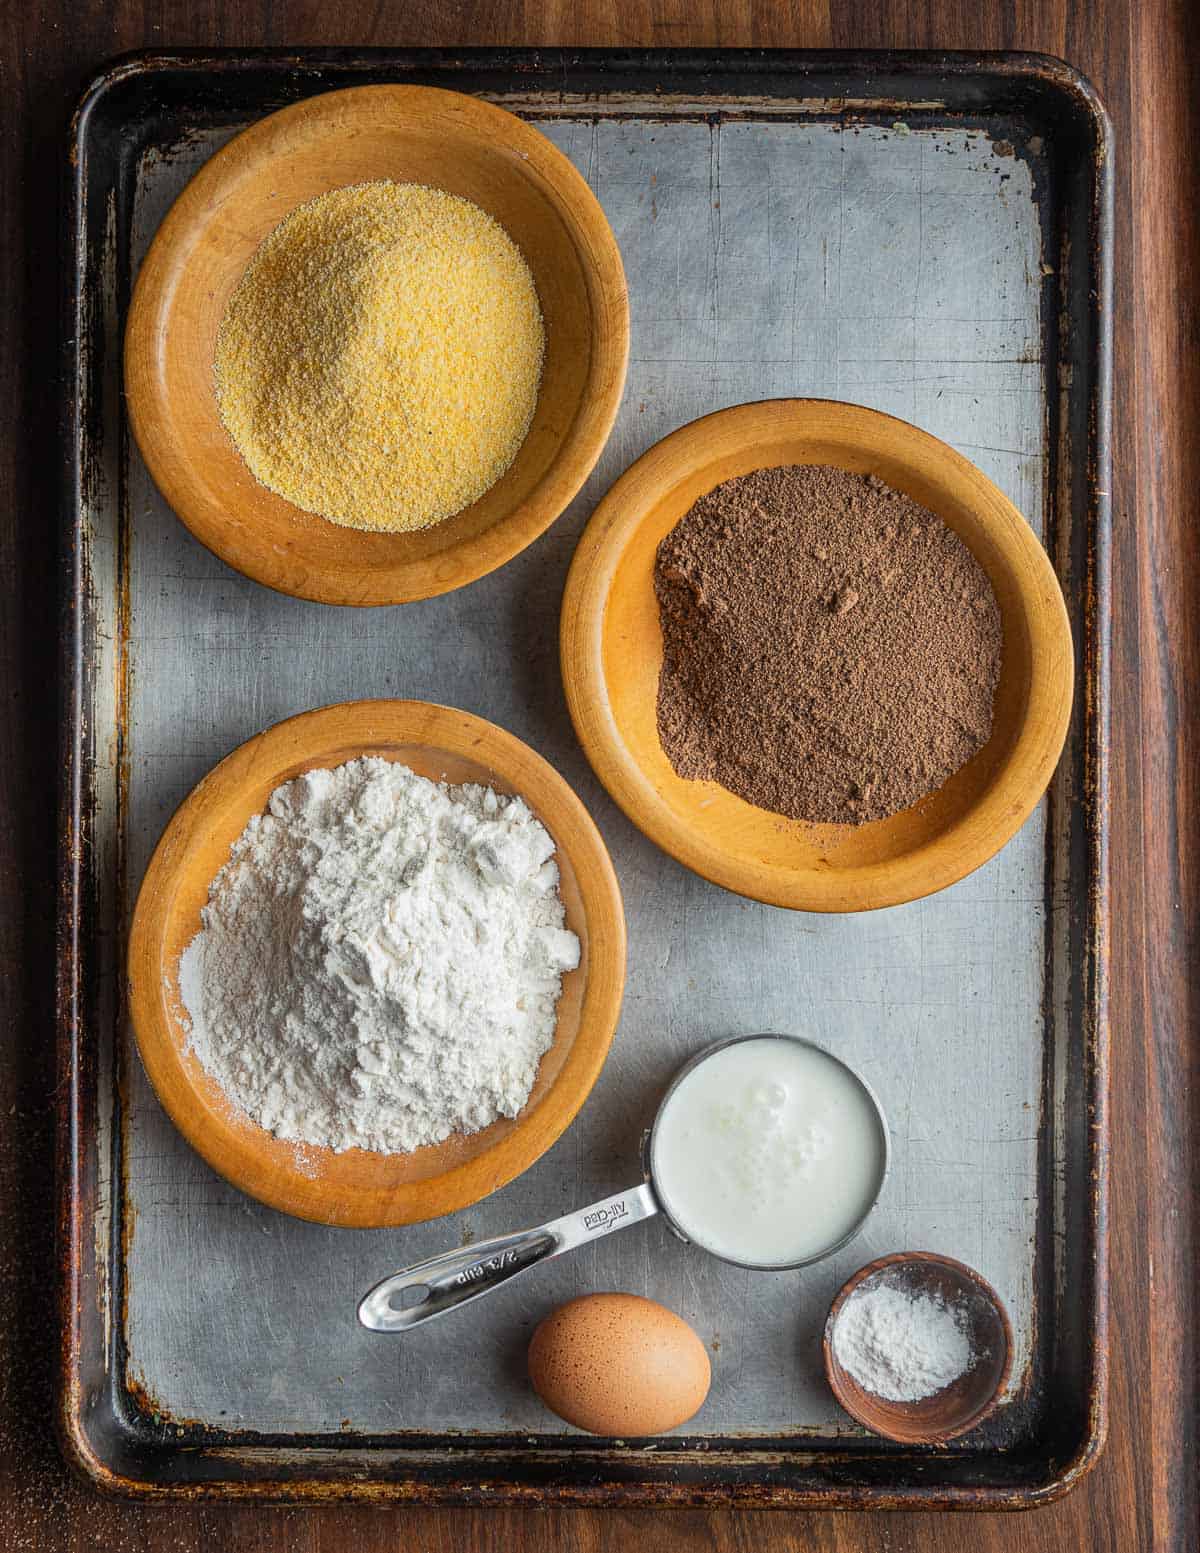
[(1144, 56)]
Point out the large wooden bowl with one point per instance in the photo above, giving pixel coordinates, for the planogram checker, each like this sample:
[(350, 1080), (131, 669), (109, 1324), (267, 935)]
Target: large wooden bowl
[(409, 134), (360, 1188), (611, 645)]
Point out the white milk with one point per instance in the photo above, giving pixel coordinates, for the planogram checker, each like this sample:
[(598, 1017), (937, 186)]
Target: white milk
[(768, 1152)]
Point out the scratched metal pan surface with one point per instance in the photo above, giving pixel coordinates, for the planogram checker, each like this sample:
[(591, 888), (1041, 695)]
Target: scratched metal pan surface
[(925, 234)]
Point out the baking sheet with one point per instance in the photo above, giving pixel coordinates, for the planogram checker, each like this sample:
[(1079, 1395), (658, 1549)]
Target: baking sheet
[(763, 259), (901, 263)]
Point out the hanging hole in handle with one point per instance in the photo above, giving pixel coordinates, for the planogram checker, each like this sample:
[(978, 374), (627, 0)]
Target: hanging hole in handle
[(409, 1297)]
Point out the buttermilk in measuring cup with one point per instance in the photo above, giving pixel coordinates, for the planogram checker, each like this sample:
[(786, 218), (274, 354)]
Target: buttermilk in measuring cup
[(770, 1152)]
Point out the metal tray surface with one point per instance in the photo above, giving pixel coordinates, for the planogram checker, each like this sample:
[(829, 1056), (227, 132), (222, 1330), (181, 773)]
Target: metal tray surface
[(924, 234)]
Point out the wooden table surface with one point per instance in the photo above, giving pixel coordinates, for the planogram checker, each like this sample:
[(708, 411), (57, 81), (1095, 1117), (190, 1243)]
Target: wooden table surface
[(1145, 60)]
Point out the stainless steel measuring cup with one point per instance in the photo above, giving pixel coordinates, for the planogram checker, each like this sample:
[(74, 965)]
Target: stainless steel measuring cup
[(441, 1283)]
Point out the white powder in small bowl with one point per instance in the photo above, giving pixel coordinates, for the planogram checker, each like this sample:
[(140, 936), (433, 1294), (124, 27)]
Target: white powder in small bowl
[(902, 1344), (380, 960)]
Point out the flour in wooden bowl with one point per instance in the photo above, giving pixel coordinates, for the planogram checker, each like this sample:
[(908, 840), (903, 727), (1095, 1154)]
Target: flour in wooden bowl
[(380, 960)]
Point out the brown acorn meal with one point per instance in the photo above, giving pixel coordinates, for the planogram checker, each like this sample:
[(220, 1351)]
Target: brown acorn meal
[(831, 649)]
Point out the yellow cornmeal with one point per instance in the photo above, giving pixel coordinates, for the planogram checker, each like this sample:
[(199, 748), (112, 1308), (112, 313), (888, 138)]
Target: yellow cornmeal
[(379, 361)]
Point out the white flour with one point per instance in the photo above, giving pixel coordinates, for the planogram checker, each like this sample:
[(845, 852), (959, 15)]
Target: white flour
[(901, 1345), (380, 960)]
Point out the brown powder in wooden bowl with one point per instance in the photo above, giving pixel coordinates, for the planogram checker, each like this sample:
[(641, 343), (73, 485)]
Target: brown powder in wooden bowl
[(831, 648)]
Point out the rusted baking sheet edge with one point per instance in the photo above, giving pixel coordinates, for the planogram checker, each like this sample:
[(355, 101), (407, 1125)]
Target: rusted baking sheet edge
[(316, 1470)]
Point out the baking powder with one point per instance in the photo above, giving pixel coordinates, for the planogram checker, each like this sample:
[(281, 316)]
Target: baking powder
[(380, 960), (900, 1344)]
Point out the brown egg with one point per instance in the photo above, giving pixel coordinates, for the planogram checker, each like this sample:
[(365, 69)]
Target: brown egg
[(619, 1365)]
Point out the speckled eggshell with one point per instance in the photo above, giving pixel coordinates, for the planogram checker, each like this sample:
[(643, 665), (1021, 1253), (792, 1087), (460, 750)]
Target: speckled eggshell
[(619, 1365)]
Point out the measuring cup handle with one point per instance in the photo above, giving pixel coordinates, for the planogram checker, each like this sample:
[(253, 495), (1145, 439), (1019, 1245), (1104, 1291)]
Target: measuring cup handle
[(444, 1282)]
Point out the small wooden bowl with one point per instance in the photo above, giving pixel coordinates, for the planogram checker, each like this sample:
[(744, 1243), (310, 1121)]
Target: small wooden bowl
[(409, 134), (611, 645), (966, 1401), (358, 1188)]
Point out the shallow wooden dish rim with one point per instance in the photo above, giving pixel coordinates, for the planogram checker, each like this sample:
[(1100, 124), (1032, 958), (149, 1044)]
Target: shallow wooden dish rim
[(917, 1435), (674, 464), (358, 1188), (381, 569)]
